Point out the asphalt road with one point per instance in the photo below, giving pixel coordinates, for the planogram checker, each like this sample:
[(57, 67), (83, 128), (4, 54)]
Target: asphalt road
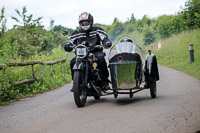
[(175, 110)]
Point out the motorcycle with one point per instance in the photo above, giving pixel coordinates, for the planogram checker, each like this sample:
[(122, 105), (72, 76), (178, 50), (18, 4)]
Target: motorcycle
[(87, 78)]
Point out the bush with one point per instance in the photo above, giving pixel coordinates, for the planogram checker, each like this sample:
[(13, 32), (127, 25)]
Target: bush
[(49, 81)]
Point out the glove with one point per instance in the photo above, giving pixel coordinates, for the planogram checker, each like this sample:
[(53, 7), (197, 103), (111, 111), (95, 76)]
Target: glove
[(107, 44), (68, 47)]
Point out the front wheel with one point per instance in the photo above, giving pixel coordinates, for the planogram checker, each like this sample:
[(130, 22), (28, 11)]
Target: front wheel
[(80, 93), (153, 89)]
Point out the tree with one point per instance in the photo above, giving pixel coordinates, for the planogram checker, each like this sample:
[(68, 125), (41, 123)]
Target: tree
[(2, 22), (115, 29), (171, 24), (132, 20), (191, 13), (149, 36), (26, 21), (51, 26), (164, 26), (145, 21), (60, 29)]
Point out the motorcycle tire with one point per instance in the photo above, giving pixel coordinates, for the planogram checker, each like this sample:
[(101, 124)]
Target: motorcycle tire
[(80, 93)]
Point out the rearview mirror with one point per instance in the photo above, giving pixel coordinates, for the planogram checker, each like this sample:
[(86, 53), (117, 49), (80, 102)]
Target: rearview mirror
[(65, 33)]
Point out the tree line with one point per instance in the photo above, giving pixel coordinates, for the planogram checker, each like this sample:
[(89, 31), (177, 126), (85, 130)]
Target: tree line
[(30, 37), (152, 29)]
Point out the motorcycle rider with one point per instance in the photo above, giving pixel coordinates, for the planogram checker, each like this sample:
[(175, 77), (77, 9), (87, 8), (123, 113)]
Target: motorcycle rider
[(93, 35)]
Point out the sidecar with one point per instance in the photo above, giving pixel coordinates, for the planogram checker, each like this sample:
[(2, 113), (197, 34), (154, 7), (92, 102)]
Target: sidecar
[(130, 73)]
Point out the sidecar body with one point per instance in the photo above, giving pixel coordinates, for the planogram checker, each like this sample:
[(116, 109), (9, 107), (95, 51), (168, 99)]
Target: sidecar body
[(126, 65)]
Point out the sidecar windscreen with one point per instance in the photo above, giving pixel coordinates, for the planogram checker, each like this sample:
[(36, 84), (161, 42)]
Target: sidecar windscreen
[(124, 52), (125, 47)]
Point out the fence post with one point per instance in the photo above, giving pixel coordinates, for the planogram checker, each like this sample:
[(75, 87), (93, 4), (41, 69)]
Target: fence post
[(42, 68), (32, 70), (52, 70)]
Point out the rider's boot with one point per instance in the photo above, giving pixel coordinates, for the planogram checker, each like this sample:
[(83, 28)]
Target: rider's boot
[(105, 84)]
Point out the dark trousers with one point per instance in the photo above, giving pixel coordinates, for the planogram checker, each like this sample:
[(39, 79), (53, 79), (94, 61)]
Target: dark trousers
[(102, 65)]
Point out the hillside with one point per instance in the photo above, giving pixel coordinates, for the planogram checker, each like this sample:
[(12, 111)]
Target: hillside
[(175, 52)]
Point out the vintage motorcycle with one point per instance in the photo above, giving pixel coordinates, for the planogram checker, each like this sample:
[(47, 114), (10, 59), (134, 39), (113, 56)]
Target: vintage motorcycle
[(126, 71), (87, 80)]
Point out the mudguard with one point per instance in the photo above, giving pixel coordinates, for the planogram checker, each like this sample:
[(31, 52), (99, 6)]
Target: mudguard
[(151, 68), (77, 66)]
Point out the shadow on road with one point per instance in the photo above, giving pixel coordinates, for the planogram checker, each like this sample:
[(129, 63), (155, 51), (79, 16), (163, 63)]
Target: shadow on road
[(120, 101), (125, 101)]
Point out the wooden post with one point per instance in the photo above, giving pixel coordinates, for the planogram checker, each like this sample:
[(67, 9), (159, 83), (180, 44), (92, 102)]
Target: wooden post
[(33, 73), (42, 68), (52, 70)]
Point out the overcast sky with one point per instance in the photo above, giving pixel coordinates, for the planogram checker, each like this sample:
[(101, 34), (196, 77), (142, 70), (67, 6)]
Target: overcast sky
[(66, 12)]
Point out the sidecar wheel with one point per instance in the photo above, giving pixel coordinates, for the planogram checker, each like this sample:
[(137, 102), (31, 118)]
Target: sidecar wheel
[(153, 89), (80, 93)]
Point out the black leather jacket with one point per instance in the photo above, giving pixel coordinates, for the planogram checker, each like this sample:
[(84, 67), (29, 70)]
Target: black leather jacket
[(94, 36)]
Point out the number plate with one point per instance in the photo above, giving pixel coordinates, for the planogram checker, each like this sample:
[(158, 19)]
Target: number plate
[(81, 52)]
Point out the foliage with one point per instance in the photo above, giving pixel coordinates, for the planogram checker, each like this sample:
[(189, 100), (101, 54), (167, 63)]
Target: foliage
[(115, 29), (30, 41), (158, 28), (145, 21), (168, 25), (149, 36), (51, 26), (2, 22), (26, 42), (132, 19), (130, 24), (60, 29), (49, 81), (26, 20), (191, 13)]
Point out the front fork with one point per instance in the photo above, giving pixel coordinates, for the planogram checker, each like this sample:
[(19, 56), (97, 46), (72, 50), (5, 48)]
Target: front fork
[(83, 68)]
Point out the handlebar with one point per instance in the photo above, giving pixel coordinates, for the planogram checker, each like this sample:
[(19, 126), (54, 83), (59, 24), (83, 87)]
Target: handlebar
[(96, 47), (90, 47)]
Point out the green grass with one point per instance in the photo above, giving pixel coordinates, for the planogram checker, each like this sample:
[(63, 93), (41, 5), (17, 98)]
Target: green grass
[(175, 52)]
